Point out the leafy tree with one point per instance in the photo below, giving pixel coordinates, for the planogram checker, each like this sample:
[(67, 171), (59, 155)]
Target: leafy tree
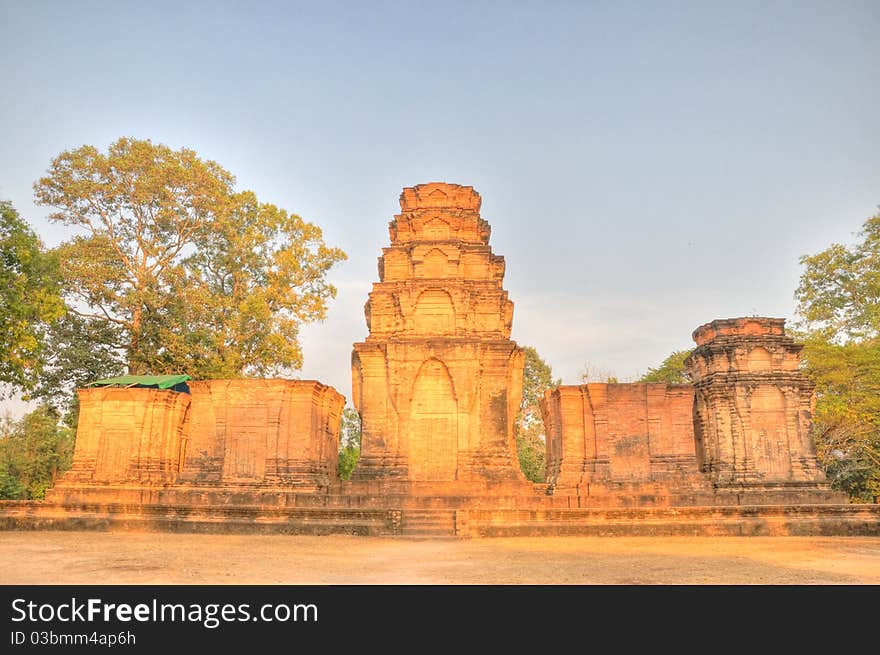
[(529, 427), (839, 307), (846, 420), (184, 273), (30, 300), (78, 351), (349, 442), (670, 371), (34, 451), (839, 291), (141, 206), (256, 276)]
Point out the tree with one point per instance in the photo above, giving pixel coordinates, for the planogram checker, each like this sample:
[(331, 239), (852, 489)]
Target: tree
[(34, 451), (349, 442), (839, 309), (78, 351), (670, 371), (141, 206), (30, 300), (592, 373), (186, 274), (529, 426), (256, 276), (839, 291), (846, 419)]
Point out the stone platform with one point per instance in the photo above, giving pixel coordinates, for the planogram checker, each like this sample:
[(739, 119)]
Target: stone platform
[(440, 518)]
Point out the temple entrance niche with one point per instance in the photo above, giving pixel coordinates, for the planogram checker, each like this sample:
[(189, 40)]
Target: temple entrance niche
[(434, 313), (245, 433), (769, 440), (433, 435), (114, 453), (435, 263), (759, 361)]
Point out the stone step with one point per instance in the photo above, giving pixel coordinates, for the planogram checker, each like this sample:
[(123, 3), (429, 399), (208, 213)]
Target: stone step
[(428, 534), (740, 520), (429, 513), (427, 523)]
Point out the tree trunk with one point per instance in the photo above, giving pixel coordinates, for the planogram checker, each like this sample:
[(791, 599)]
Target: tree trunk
[(134, 366)]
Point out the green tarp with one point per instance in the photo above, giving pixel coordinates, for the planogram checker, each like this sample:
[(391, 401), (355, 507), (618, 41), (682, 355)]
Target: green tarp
[(175, 382)]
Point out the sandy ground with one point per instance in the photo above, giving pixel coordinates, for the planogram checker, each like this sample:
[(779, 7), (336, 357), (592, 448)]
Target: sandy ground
[(150, 558)]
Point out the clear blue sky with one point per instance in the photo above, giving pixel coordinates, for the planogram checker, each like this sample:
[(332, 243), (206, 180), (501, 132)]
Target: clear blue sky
[(646, 167)]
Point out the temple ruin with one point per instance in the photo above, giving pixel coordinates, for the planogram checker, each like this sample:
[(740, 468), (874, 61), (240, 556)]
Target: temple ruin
[(752, 405), (438, 384), (738, 435)]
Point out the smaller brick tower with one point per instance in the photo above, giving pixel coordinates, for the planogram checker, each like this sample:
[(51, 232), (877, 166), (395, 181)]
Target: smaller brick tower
[(752, 406)]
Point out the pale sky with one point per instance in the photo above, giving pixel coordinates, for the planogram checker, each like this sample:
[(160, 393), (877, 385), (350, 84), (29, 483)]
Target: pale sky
[(646, 167)]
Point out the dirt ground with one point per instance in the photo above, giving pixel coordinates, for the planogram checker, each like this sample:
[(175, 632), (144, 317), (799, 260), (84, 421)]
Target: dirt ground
[(150, 558)]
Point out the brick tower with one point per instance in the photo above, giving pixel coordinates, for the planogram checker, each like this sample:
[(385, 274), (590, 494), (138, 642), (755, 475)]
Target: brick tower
[(753, 405), (438, 382)]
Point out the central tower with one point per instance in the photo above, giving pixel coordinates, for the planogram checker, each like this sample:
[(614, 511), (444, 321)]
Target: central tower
[(438, 382)]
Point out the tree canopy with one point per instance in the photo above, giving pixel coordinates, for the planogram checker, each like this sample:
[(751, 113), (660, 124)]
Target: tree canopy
[(255, 277), (839, 309), (30, 300), (77, 351), (839, 291), (178, 271), (670, 371), (141, 207)]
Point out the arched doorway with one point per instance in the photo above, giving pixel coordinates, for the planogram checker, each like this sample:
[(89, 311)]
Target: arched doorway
[(433, 434)]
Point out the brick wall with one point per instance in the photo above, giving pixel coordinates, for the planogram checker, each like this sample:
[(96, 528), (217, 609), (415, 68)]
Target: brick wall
[(600, 433)]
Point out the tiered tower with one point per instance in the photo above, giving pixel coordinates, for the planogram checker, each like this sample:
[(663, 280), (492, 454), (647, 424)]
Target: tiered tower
[(438, 382), (753, 405)]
